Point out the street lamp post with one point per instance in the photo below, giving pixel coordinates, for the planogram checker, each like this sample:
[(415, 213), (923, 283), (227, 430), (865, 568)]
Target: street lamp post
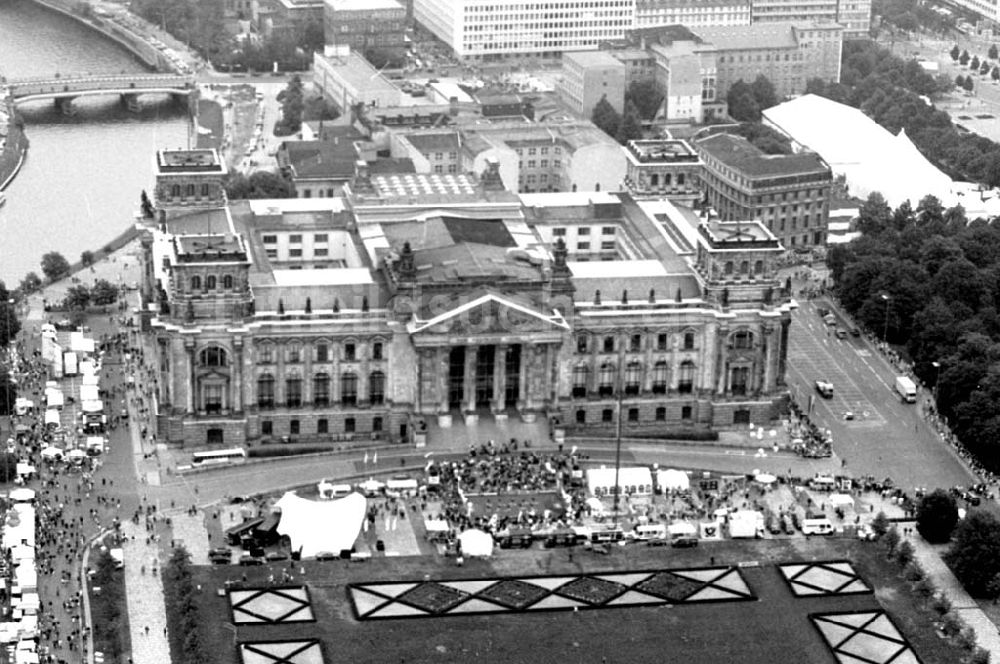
[(618, 442), (937, 375), (885, 329)]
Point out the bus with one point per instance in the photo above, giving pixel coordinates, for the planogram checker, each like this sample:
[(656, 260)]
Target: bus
[(213, 457)]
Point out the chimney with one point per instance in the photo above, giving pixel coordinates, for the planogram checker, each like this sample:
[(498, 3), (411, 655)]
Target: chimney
[(490, 179)]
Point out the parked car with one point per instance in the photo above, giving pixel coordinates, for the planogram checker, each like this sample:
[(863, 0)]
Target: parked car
[(684, 542), (326, 555), (246, 560), (276, 556), (825, 389), (841, 333)]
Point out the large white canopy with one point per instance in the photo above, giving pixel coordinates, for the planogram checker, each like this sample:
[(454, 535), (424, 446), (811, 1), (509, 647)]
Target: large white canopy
[(601, 481), (672, 480), (869, 156), (331, 525), (476, 543)]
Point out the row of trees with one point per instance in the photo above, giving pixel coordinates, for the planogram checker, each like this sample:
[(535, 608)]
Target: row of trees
[(109, 620), (889, 90), (643, 101), (81, 296), (260, 184), (292, 107), (941, 277), (909, 16), (182, 613)]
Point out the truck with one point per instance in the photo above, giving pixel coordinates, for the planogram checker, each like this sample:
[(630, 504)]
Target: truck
[(906, 389)]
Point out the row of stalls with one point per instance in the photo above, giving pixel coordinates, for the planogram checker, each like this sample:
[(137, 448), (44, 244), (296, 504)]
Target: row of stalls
[(21, 604)]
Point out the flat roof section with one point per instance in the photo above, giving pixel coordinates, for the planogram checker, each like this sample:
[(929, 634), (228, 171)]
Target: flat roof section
[(189, 160), (324, 277), (358, 72), (616, 269), (663, 151), (738, 153), (592, 58), (272, 206)]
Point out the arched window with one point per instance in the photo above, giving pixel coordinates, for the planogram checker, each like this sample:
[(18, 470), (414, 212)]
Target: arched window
[(758, 268), (189, 191), (606, 380), (227, 281), (175, 191), (376, 388), (743, 340), (349, 389), (728, 268), (580, 375), (293, 392), (633, 373), (689, 340), (745, 268), (265, 391), (321, 389), (210, 282), (213, 356), (660, 378), (195, 283), (685, 382)]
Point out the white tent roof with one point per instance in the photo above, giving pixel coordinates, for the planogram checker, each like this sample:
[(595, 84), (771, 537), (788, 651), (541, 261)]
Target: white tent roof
[(435, 525), (841, 500), (331, 525), (476, 543), (682, 528), (869, 156), (605, 477), (672, 480)]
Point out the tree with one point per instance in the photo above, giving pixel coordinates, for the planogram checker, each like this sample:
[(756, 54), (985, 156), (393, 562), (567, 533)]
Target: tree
[(974, 555), (880, 524), (9, 323), (763, 92), (30, 283), (87, 258), (103, 292), (260, 184), (78, 297), (964, 58), (646, 96), (606, 117), (54, 266), (383, 58), (984, 68), (742, 104), (969, 84), (974, 65), (145, 205), (8, 467), (955, 53), (8, 395), (292, 105), (992, 53), (995, 74), (630, 128), (959, 81)]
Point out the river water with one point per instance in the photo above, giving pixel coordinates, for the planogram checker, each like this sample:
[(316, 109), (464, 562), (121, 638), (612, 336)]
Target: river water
[(80, 185)]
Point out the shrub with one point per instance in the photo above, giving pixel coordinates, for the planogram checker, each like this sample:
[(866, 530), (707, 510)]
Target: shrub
[(880, 524), (913, 572), (904, 553), (890, 541), (924, 587), (941, 604)]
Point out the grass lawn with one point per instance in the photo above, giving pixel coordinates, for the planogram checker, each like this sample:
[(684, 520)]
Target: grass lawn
[(775, 628)]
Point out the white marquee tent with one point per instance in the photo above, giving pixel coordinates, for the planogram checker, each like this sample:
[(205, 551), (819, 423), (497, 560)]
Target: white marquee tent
[(870, 157), (313, 526), (672, 480), (476, 543), (601, 481)]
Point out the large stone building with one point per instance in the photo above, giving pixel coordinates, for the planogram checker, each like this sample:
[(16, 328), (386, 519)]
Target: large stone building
[(790, 194), (664, 168), (366, 25), (691, 13), (495, 30), (588, 77), (444, 298)]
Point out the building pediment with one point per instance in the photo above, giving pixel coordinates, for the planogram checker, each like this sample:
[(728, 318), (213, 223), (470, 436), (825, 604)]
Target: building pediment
[(489, 315)]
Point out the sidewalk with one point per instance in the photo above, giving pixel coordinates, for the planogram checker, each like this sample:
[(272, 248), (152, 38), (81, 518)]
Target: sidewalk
[(929, 557), (147, 614)]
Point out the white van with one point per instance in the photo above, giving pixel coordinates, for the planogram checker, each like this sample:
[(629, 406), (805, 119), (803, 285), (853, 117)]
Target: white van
[(823, 483), (820, 526), (650, 531)]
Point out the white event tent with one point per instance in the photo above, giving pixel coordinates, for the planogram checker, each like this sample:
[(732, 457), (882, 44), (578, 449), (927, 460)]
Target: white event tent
[(601, 481), (313, 526), (869, 157)]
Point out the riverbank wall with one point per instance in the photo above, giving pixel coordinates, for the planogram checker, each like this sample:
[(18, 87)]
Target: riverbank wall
[(113, 28), (15, 149)]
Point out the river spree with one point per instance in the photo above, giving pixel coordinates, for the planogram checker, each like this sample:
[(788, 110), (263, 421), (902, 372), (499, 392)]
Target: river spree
[(80, 185)]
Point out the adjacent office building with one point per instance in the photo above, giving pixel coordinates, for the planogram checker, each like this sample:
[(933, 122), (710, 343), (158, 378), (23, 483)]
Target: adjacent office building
[(789, 194), (364, 25), (691, 13), (589, 76)]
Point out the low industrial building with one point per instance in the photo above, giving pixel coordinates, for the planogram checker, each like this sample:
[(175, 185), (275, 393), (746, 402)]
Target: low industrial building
[(346, 79)]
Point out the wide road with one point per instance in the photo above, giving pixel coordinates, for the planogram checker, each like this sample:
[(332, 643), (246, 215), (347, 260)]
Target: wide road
[(887, 437)]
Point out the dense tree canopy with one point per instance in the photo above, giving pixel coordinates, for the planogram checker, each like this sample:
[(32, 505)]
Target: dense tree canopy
[(260, 184), (54, 266), (606, 117), (9, 324), (937, 515), (894, 93), (974, 556), (941, 276), (646, 97)]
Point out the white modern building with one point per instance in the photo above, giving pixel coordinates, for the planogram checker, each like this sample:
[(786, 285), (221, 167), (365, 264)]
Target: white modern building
[(491, 30), (691, 13)]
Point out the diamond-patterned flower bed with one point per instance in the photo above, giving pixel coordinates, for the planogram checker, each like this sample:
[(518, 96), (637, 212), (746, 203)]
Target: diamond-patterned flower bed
[(864, 636), (591, 590), (433, 597), (271, 605), (514, 593), (452, 597), (309, 651), (669, 586)]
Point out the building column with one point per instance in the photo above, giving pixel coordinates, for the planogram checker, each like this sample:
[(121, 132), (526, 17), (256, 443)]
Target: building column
[(236, 398), (443, 364), (469, 380), (189, 352), (522, 378), (499, 377), (769, 360)]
